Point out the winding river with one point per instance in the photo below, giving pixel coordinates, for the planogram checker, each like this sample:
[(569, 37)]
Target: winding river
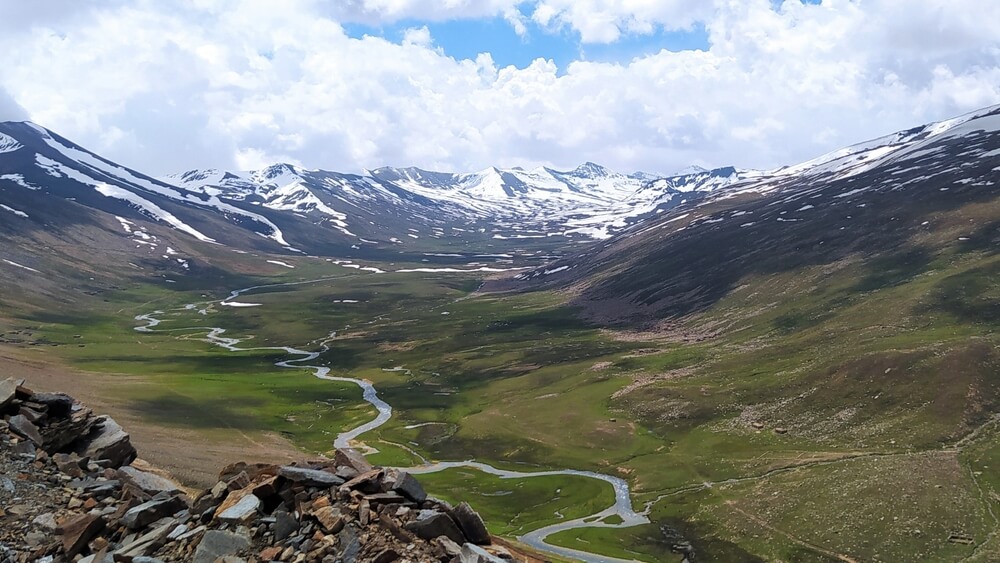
[(622, 506)]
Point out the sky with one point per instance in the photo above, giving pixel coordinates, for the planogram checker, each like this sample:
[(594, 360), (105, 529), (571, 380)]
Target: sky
[(166, 86)]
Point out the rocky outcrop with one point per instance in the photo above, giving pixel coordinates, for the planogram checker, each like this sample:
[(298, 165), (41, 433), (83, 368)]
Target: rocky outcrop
[(54, 423), (72, 496)]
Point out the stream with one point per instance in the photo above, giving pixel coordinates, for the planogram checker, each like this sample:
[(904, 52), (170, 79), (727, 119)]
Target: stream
[(622, 506)]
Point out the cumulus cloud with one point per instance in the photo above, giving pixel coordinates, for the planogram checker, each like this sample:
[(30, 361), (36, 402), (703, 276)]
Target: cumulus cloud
[(10, 110), (240, 83)]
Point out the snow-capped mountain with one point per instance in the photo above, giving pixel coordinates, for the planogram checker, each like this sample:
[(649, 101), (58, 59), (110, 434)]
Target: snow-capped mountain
[(47, 182), (895, 204), (589, 201)]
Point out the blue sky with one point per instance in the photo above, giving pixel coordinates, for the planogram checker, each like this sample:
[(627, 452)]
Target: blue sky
[(466, 38)]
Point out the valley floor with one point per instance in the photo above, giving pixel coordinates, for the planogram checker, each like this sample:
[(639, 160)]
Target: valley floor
[(742, 446)]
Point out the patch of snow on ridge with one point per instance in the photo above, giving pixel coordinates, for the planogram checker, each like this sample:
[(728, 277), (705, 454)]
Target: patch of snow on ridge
[(106, 168), (21, 266), (14, 211), (8, 144), (151, 208), (19, 180), (280, 263)]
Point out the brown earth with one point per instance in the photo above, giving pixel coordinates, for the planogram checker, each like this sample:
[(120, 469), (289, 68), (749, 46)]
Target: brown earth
[(192, 456)]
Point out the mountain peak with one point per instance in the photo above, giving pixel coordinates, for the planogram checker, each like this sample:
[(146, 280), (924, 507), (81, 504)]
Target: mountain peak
[(591, 170), (693, 169)]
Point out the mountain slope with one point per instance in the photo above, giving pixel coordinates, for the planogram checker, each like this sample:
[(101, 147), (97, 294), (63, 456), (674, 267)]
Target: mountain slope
[(868, 200), (843, 313)]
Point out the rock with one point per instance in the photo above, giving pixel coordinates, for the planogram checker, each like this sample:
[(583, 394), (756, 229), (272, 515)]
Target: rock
[(780, 430), (475, 554), (349, 544), (364, 512), (436, 525), (24, 428), (8, 390), (61, 433), (46, 521), (59, 404), (79, 531), (217, 543), (68, 464), (270, 553), (108, 441), (284, 525), (147, 543), (349, 457), (407, 485), (146, 481), (386, 556), (451, 548), (367, 482), (471, 524), (149, 512), (330, 518), (33, 416), (242, 512), (25, 449), (385, 498), (310, 477)]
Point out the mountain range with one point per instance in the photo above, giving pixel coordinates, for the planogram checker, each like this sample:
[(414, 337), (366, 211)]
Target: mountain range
[(52, 188)]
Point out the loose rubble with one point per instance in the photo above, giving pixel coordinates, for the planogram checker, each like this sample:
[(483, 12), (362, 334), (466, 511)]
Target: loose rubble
[(69, 492)]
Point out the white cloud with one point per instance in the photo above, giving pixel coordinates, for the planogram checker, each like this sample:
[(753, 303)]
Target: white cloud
[(247, 82), (10, 110)]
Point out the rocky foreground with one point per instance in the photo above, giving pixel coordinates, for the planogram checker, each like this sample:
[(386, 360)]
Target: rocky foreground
[(72, 490)]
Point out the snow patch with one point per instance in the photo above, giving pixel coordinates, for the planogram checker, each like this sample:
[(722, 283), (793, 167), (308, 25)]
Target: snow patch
[(21, 266), (14, 211)]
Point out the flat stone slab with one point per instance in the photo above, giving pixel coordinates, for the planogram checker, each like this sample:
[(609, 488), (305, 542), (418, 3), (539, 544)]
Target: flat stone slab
[(149, 482), (310, 477), (24, 428), (243, 511), (217, 543), (8, 390)]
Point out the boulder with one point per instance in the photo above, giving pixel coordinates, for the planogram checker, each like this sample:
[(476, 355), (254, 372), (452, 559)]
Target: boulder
[(217, 543), (407, 485), (471, 524), (435, 525), (59, 404), (243, 511), (350, 457), (8, 390), (70, 464), (146, 481), (61, 432), (108, 441), (284, 525), (146, 513), (309, 477), (367, 482), (330, 519), (475, 554), (79, 531), (24, 428)]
